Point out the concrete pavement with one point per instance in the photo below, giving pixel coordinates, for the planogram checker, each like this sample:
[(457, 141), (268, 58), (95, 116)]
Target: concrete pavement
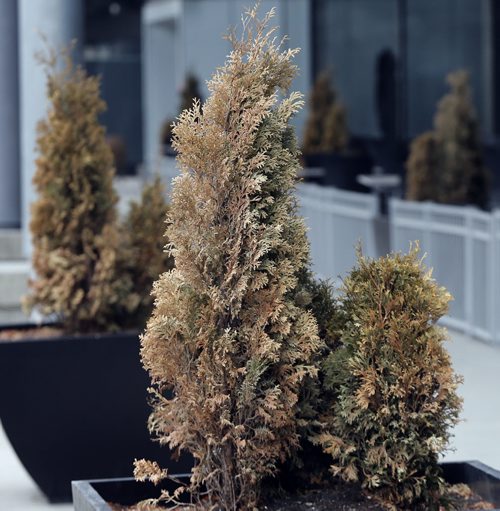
[(478, 435)]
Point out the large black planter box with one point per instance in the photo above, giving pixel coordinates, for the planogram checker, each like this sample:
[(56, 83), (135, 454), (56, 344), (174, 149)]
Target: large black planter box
[(94, 495), (390, 155), (75, 407), (342, 169)]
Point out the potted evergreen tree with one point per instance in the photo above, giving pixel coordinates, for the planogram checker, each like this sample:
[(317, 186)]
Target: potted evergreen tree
[(78, 382), (236, 346), (327, 142), (381, 409), (445, 165)]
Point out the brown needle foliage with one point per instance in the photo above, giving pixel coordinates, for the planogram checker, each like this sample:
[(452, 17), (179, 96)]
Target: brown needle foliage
[(423, 169), (75, 239), (226, 336), (446, 164), (143, 252), (392, 384)]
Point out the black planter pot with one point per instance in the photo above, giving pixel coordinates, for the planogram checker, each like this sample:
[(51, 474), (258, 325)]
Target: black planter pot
[(95, 495), (342, 169), (75, 407), (389, 154)]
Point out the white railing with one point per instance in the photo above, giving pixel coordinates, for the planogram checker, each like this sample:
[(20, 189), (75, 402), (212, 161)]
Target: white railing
[(337, 221), (463, 248)]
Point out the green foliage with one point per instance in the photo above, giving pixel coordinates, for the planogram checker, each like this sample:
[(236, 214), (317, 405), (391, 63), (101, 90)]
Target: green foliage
[(317, 297), (227, 334), (446, 165), (309, 465), (392, 384), (143, 253), (75, 238), (326, 126)]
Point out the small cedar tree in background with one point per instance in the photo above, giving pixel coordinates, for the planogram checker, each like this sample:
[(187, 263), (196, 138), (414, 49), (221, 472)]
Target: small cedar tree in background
[(423, 169), (73, 223), (326, 125), (143, 253), (391, 384), (465, 179), (226, 334), (446, 165)]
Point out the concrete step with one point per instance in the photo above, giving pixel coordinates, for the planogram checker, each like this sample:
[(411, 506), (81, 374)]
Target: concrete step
[(13, 316), (13, 282), (10, 244)]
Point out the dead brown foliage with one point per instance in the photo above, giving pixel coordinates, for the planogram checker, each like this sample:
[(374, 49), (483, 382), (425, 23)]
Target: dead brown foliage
[(226, 335)]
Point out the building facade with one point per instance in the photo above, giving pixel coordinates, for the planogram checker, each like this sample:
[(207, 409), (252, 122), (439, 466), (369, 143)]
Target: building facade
[(389, 60)]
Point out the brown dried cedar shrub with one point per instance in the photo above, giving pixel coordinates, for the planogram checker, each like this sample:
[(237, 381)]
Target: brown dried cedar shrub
[(143, 252), (423, 169), (326, 125), (446, 164), (92, 273), (226, 335), (392, 384), (73, 226)]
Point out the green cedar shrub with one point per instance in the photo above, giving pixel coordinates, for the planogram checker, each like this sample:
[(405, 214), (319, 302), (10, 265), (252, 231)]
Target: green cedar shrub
[(309, 465), (391, 384)]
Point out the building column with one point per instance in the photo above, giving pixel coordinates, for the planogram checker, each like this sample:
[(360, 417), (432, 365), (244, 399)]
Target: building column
[(58, 22), (9, 116)]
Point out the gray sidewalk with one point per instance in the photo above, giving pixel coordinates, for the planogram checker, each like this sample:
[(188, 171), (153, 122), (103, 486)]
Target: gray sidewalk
[(477, 437)]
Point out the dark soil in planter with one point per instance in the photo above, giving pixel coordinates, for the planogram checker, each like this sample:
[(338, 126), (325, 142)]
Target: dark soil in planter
[(344, 497), (76, 407), (19, 334), (341, 497), (482, 480)]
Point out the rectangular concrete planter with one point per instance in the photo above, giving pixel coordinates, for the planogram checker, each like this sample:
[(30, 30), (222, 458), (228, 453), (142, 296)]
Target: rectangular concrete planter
[(95, 495)]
